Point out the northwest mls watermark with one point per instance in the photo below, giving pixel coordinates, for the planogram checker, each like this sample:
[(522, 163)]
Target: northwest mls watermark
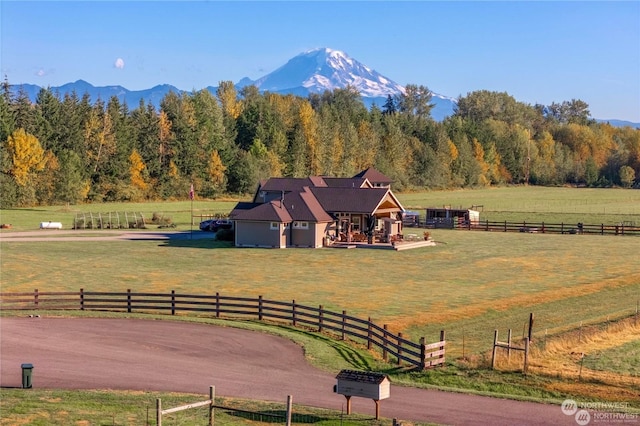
[(586, 413)]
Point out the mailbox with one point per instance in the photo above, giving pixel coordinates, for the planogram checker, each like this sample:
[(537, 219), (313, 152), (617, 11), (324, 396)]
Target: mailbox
[(365, 384)]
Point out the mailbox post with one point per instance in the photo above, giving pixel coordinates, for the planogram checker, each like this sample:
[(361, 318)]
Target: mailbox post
[(365, 384)]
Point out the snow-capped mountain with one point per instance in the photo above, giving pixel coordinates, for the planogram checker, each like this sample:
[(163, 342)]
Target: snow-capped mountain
[(322, 69)]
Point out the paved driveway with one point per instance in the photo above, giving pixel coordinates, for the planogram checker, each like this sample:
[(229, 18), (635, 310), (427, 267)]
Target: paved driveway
[(96, 353)]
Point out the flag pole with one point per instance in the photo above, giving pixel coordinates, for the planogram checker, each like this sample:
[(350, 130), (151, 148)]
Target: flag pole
[(191, 196)]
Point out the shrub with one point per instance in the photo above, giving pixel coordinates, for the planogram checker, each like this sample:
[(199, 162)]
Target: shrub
[(225, 235)]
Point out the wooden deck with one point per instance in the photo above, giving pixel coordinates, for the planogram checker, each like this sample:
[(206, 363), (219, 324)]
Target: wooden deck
[(397, 246)]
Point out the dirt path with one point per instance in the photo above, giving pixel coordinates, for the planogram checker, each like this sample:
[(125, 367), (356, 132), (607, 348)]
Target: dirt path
[(80, 353), (100, 235)]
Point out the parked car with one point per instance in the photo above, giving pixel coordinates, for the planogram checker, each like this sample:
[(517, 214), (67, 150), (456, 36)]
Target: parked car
[(205, 225), (214, 224), (220, 224)]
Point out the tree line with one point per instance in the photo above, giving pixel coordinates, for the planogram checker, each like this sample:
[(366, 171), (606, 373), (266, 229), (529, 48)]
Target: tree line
[(66, 149)]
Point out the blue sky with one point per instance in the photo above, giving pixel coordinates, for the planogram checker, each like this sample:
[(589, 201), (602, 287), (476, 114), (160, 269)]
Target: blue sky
[(538, 52)]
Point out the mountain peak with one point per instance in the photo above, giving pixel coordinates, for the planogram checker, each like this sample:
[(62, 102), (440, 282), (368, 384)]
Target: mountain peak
[(321, 69)]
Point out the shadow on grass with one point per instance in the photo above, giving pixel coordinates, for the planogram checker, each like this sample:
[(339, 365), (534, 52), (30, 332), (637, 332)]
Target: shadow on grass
[(279, 416), (186, 239), (351, 355)]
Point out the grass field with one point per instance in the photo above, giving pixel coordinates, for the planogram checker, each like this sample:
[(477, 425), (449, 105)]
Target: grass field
[(62, 408), (469, 284), (534, 204), (538, 204)]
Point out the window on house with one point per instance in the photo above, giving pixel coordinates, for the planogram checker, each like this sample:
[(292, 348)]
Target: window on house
[(355, 223), (300, 225), (275, 226)]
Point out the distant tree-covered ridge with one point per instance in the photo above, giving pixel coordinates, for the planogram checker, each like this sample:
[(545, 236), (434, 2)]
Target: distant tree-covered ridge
[(68, 150)]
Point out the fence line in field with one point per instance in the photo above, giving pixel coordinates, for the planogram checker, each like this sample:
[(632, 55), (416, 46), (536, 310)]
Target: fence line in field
[(419, 355), (551, 228)]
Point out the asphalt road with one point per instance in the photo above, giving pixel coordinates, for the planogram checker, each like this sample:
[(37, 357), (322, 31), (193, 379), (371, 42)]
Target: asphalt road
[(81, 353)]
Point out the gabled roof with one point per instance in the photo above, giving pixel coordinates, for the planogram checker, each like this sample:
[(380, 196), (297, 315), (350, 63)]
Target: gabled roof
[(295, 206), (353, 200), (347, 182), (291, 184), (304, 206), (374, 176), (265, 212)]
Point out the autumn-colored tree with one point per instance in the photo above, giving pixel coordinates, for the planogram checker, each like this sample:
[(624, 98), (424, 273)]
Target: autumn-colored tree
[(627, 176), (368, 143), (309, 128), (45, 180), (216, 170), (136, 170), (25, 156), (99, 138), (543, 155), (228, 97), (165, 137)]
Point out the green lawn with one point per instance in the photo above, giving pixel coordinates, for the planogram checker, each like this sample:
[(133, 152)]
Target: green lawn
[(63, 407), (622, 359)]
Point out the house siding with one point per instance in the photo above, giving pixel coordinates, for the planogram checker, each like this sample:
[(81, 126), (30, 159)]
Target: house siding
[(260, 234), (311, 237)]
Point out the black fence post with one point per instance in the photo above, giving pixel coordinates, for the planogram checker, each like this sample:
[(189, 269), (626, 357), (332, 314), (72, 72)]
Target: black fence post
[(82, 299), (384, 342), (129, 300), (293, 311), (259, 308), (399, 347), (173, 302), (443, 340), (369, 330), (344, 314), (423, 354), (217, 305)]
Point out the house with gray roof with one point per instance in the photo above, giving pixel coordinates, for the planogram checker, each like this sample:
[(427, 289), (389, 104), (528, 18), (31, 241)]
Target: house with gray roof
[(317, 211)]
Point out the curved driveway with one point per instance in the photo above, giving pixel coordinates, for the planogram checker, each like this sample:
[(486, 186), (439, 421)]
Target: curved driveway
[(96, 353)]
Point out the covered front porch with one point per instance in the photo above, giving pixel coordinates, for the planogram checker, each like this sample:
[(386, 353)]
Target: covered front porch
[(370, 228)]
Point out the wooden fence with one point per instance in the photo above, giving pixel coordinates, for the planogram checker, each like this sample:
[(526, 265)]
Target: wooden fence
[(552, 228), (419, 355)]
